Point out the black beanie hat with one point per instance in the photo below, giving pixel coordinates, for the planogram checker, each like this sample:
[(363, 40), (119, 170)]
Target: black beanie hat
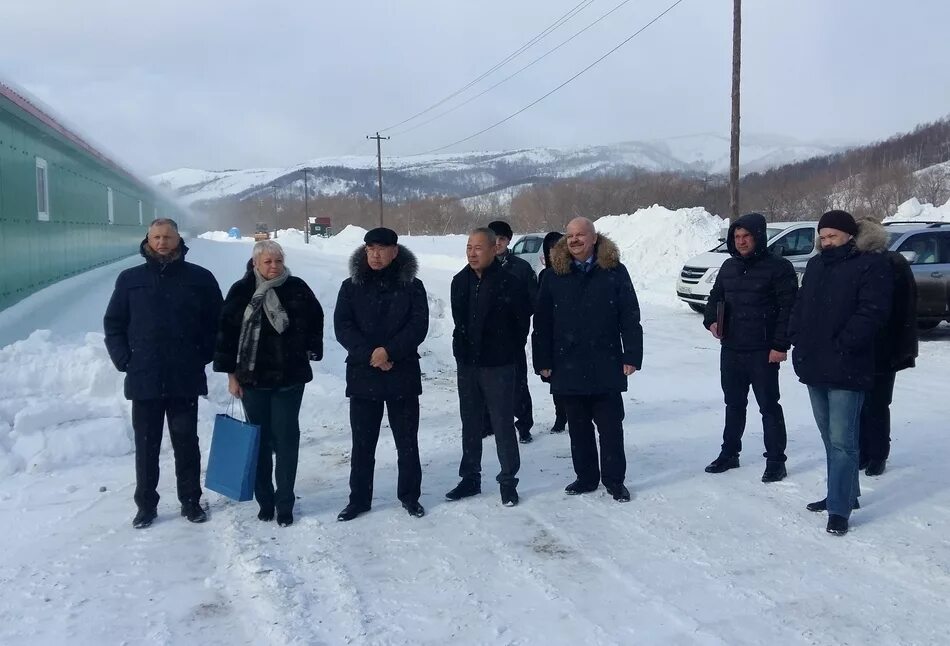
[(502, 229), (381, 235), (840, 220)]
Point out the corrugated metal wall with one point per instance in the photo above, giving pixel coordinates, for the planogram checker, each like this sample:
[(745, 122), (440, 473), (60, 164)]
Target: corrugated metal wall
[(78, 235)]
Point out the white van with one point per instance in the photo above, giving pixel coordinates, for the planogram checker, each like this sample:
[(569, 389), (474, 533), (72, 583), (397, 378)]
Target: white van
[(793, 240)]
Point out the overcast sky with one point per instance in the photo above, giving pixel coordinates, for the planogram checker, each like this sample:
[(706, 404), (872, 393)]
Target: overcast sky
[(238, 83)]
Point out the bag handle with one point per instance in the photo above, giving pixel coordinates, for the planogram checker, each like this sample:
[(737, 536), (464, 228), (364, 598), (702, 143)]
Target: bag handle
[(230, 409)]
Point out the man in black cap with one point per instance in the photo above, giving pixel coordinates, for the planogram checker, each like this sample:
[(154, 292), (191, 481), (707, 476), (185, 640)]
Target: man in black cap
[(845, 298), (524, 272), (381, 318)]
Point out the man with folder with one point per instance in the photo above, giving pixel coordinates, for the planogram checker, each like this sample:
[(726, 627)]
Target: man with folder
[(748, 310)]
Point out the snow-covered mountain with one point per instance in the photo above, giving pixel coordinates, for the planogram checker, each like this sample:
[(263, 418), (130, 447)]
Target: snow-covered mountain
[(475, 173)]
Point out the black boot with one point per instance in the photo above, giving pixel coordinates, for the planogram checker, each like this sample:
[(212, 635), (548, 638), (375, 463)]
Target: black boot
[(144, 518), (351, 511), (509, 495), (837, 525), (557, 428), (723, 463), (863, 463), (619, 492), (774, 471), (467, 487), (285, 518), (191, 509), (525, 437), (578, 487), (266, 514), (875, 467), (822, 505), (414, 509)]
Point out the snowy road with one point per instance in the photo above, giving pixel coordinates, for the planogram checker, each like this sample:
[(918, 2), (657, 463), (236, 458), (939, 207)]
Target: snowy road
[(693, 559)]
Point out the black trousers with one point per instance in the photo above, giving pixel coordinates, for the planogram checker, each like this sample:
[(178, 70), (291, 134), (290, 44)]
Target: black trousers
[(523, 408), (148, 423), (606, 411), (875, 436), (739, 370), (366, 415), (277, 412), (560, 417), (488, 390)]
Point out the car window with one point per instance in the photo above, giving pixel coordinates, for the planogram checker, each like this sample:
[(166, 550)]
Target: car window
[(518, 248), (931, 248), (800, 242), (532, 245)]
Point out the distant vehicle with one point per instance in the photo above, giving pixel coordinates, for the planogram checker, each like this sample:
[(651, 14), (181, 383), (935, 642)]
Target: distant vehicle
[(926, 245), (792, 240), (529, 247), (261, 232)]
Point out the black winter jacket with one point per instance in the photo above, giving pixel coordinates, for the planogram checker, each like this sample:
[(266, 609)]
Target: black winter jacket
[(160, 327), (758, 292), (387, 309), (522, 269), (587, 324), (844, 300), (896, 345), (282, 359), (495, 333)]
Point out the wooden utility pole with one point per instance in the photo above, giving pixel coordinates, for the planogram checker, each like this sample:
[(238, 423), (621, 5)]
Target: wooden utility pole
[(379, 166), (276, 211), (306, 209), (734, 145)]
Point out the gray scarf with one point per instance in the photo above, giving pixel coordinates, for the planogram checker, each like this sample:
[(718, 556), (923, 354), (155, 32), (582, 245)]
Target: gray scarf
[(264, 300)]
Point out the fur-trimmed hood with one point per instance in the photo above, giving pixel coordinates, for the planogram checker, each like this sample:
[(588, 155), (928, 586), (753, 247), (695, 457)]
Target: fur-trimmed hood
[(606, 255), (871, 238), (404, 266)]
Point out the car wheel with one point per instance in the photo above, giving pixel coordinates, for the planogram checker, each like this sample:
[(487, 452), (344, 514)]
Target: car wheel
[(699, 309)]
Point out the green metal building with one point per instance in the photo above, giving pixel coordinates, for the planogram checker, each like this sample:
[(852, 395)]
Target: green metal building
[(64, 206)]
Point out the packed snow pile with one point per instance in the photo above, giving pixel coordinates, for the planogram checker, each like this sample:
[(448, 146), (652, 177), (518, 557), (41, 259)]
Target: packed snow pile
[(60, 404), (223, 236), (655, 243), (913, 210)]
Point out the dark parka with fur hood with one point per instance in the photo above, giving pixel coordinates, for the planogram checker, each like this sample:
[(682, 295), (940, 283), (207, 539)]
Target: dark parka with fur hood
[(282, 359), (160, 327), (388, 309), (844, 300), (587, 324), (759, 293)]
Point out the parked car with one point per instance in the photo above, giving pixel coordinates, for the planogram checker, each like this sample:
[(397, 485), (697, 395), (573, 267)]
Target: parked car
[(926, 245), (528, 247), (793, 240)]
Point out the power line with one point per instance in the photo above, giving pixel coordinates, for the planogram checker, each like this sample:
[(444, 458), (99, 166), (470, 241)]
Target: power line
[(511, 76), (550, 28), (538, 100)]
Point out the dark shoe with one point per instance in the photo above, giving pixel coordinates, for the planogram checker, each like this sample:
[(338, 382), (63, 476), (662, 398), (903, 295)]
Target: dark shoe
[(774, 471), (414, 509), (822, 505), (285, 518), (144, 518), (837, 525), (509, 495), (191, 509), (467, 487), (488, 431), (875, 467), (351, 511), (863, 463), (577, 487), (526, 437), (266, 515), (619, 492), (723, 463), (557, 428)]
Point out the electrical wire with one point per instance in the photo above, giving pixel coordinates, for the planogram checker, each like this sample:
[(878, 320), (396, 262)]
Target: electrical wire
[(549, 29), (538, 100)]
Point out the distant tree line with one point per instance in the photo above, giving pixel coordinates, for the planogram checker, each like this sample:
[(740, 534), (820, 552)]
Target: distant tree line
[(868, 181)]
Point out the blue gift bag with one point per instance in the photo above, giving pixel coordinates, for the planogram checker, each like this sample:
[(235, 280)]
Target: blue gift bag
[(232, 462)]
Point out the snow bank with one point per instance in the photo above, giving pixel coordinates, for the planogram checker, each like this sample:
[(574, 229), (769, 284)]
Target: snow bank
[(222, 236), (655, 243), (913, 210), (60, 404)]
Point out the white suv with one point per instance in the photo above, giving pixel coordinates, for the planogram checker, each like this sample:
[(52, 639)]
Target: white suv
[(792, 240)]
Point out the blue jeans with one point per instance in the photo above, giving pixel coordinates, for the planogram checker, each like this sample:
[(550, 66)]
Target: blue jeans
[(838, 414)]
